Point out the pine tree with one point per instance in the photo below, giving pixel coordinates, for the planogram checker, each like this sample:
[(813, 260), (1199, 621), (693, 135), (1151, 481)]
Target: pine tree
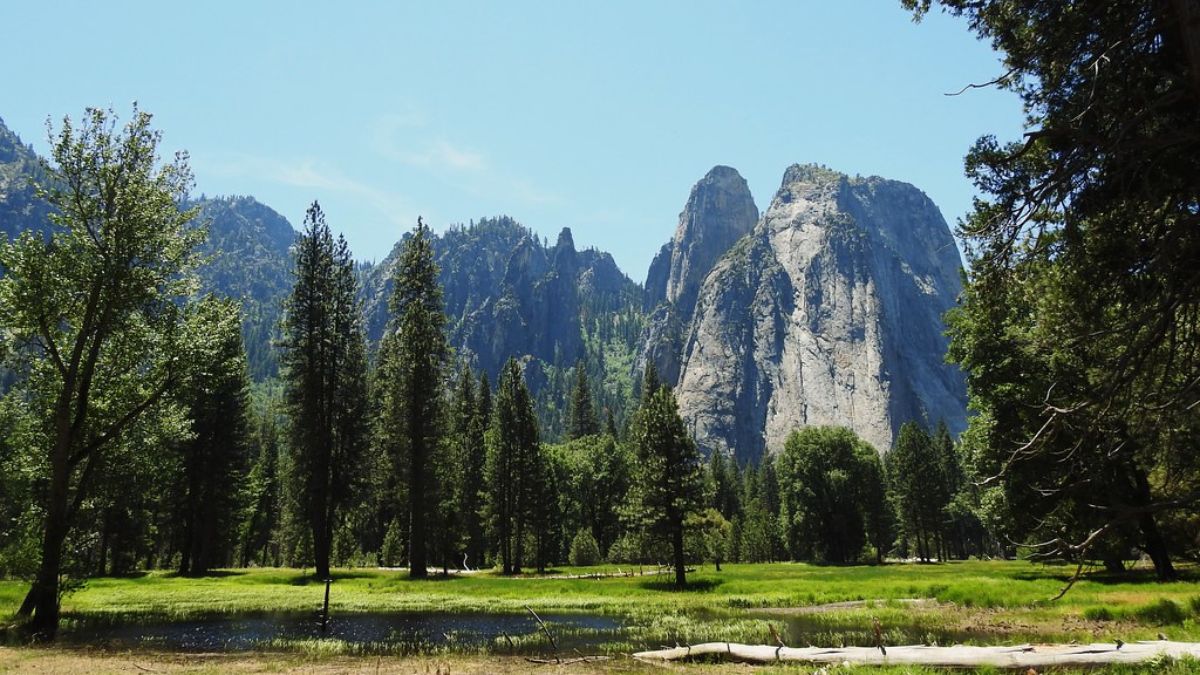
[(209, 496), (392, 552), (725, 497), (351, 403), (512, 466), (324, 357), (413, 360), (264, 504), (915, 473), (1077, 325), (668, 477), (581, 413)]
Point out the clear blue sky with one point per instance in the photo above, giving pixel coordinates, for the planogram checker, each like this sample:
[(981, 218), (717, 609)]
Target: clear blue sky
[(598, 116)]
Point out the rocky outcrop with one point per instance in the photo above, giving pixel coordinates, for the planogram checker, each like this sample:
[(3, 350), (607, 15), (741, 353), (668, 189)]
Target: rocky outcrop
[(20, 207), (828, 312), (247, 256), (719, 212), (508, 294)]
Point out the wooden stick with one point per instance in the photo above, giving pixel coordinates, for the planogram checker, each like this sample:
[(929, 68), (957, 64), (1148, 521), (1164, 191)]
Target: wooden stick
[(582, 659), (325, 611), (553, 642)]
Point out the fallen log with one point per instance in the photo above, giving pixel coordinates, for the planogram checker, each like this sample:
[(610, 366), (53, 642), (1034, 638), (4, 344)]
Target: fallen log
[(958, 656)]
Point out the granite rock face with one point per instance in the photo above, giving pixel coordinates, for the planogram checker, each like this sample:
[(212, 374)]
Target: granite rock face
[(719, 212), (507, 293), (828, 312)]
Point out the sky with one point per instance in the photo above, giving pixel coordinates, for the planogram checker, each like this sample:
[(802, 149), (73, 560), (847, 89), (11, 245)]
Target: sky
[(596, 116)]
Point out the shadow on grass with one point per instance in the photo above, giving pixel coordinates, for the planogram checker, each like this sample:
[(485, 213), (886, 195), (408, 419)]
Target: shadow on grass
[(138, 574), (697, 586), (1063, 573), (211, 574), (338, 575), (433, 577)]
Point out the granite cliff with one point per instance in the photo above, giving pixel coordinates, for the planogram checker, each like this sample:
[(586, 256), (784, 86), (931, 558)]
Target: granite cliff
[(719, 212), (828, 311)]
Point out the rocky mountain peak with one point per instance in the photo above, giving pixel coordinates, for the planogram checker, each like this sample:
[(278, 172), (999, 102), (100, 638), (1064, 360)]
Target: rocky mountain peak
[(829, 312), (565, 240), (719, 211)]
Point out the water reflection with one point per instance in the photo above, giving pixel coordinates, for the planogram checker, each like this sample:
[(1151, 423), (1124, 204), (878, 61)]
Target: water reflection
[(382, 631)]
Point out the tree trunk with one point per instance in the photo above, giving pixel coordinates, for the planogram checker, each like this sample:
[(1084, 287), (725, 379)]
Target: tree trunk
[(1114, 565), (1154, 544), (677, 535), (1187, 17), (416, 510), (44, 593), (1156, 548), (320, 548), (101, 564), (519, 547), (43, 596)]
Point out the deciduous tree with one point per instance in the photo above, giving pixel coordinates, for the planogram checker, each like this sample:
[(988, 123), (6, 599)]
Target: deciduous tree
[(95, 307)]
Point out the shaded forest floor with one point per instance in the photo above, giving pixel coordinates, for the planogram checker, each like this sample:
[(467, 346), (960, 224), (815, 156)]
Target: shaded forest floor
[(993, 602)]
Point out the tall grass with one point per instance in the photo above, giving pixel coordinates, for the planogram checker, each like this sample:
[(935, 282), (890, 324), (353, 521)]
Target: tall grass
[(992, 601)]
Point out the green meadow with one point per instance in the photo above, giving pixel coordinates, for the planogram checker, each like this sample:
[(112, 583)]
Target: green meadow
[(976, 602)]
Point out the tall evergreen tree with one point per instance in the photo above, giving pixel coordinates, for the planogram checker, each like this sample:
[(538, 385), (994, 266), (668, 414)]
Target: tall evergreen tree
[(95, 307), (413, 359), (324, 356), (468, 461), (512, 466), (264, 505), (668, 481), (1077, 326), (209, 496), (724, 485), (582, 412), (915, 473)]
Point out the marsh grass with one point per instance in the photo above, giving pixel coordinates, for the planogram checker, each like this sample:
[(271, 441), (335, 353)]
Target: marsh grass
[(978, 602)]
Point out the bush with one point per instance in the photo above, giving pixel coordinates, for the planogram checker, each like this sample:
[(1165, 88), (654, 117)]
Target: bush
[(638, 549), (584, 549), (1163, 612), (1098, 614)]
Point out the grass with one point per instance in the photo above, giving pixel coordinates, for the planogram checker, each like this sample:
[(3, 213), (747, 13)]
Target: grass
[(42, 660), (976, 602)]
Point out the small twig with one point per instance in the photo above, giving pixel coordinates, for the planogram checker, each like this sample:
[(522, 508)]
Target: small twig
[(1070, 582), (553, 642), (984, 85), (582, 659), (775, 635), (143, 668)]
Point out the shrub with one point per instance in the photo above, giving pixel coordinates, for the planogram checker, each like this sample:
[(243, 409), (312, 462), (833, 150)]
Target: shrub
[(1098, 614), (1163, 612), (584, 549)]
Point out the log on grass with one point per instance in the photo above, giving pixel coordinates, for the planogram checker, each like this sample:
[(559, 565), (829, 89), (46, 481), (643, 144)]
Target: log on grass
[(958, 656)]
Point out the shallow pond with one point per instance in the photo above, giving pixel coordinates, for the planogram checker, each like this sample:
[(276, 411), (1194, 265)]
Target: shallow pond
[(370, 632)]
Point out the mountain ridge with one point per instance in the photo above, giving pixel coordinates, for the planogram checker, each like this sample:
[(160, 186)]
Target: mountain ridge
[(724, 303)]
